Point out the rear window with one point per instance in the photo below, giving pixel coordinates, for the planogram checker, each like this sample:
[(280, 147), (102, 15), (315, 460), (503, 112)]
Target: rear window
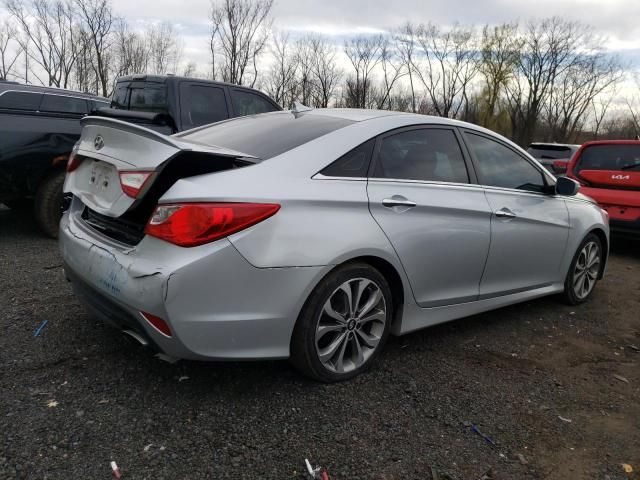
[(140, 96), (266, 136), (550, 152), (610, 157)]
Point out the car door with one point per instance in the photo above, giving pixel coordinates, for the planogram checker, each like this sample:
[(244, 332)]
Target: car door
[(529, 227), (422, 196), (201, 104)]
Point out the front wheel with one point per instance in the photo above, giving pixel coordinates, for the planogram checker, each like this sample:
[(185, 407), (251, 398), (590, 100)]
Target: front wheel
[(344, 324), (584, 271)]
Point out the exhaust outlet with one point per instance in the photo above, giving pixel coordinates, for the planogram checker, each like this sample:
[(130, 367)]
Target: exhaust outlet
[(137, 337)]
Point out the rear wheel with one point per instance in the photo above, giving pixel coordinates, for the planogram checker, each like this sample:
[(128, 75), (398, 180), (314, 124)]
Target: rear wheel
[(344, 324), (48, 204), (584, 271)]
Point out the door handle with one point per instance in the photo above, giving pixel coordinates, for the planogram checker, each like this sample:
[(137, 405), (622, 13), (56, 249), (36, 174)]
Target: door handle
[(397, 201), (505, 213)]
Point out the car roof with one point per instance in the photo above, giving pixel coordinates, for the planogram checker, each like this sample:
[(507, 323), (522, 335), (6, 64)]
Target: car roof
[(611, 142), (143, 77), (20, 87)]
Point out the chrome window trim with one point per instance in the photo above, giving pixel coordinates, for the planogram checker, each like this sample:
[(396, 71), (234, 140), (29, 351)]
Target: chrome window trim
[(320, 176), (427, 183), (47, 93)]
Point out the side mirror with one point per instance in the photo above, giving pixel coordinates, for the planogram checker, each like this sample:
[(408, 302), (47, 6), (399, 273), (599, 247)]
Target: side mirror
[(566, 186)]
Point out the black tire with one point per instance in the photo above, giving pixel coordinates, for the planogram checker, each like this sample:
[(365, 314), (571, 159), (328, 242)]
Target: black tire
[(304, 353), (48, 204), (572, 294)]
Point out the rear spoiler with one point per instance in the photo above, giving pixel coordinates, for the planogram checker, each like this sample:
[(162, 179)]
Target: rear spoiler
[(98, 121)]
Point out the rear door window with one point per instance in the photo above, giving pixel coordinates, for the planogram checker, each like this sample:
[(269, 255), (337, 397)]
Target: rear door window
[(427, 154), (201, 105), (63, 104), (20, 100), (247, 103), (610, 157)]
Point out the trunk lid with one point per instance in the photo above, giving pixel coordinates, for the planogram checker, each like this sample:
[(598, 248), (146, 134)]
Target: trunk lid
[(109, 146)]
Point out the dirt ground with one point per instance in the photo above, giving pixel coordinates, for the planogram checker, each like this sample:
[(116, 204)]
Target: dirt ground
[(533, 391)]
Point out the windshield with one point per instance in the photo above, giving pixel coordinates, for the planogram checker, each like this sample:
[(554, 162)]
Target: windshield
[(140, 96), (268, 135), (552, 152), (610, 157)]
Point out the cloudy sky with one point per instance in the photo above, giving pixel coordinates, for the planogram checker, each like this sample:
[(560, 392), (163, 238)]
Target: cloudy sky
[(617, 19)]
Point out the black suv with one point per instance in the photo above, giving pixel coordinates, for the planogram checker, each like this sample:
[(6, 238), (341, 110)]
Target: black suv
[(38, 128), (171, 104)]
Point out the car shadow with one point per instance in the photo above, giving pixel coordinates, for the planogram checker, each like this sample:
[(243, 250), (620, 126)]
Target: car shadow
[(625, 245)]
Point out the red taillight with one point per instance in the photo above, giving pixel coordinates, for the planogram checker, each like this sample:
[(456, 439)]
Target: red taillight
[(191, 224), (73, 162), (158, 323), (560, 166), (132, 182)]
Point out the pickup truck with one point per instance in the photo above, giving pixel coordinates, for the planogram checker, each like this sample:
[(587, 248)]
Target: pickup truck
[(170, 104), (39, 126)]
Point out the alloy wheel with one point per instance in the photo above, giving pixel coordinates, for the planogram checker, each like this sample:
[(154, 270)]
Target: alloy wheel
[(350, 325)]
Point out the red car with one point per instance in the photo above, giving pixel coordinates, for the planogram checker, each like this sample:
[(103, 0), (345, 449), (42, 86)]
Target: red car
[(609, 172)]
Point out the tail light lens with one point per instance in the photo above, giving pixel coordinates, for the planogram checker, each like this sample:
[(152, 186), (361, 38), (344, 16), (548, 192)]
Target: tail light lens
[(73, 162), (192, 224), (133, 182), (560, 166)]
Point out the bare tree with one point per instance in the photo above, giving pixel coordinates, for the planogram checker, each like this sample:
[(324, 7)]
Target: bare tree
[(364, 54), (450, 64), (239, 33), (281, 77), (164, 48), (600, 105), (393, 69), (325, 70), (549, 49), (10, 49), (48, 38), (405, 44), (500, 52), (129, 51), (98, 21), (572, 93)]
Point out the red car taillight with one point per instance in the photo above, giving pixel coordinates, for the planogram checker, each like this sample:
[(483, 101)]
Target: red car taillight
[(73, 162), (192, 224), (132, 182), (560, 166)]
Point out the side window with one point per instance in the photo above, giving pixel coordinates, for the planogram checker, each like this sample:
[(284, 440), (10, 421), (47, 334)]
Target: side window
[(201, 105), (429, 154), (247, 103), (499, 166), (352, 164), (120, 98), (62, 104), (20, 100)]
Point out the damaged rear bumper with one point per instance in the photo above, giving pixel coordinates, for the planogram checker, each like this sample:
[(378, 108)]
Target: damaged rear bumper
[(217, 305)]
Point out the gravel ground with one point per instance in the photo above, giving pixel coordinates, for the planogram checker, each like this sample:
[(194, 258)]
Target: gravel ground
[(78, 395)]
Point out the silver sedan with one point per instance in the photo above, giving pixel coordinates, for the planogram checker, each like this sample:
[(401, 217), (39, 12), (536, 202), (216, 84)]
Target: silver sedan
[(314, 234)]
